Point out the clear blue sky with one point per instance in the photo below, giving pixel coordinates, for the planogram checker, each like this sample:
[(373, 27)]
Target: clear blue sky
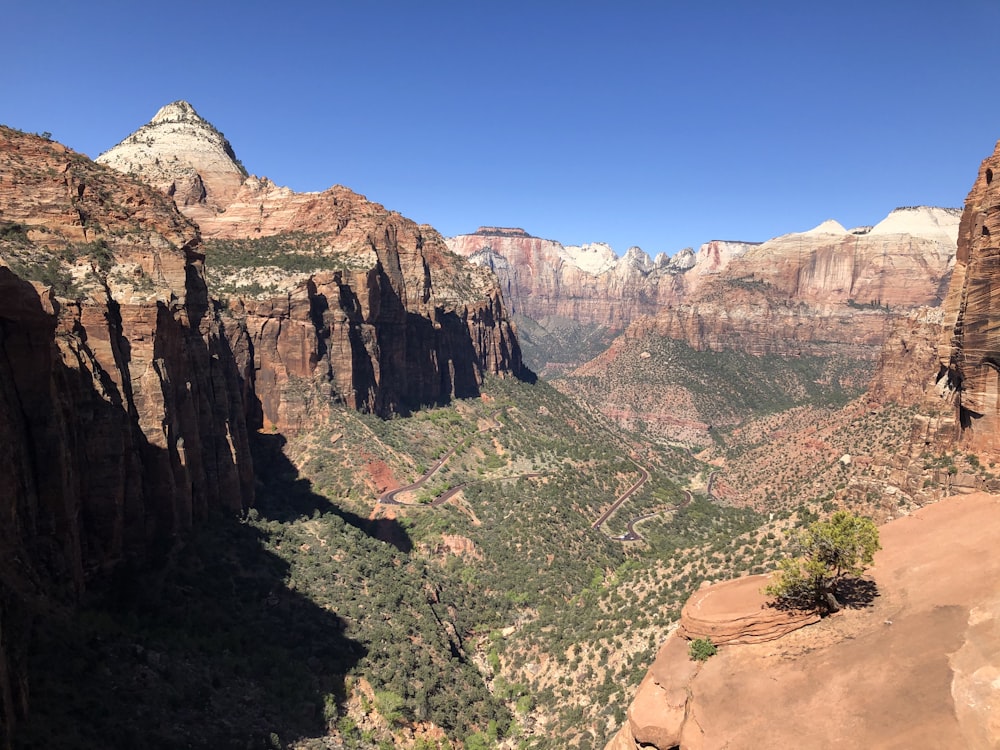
[(659, 124)]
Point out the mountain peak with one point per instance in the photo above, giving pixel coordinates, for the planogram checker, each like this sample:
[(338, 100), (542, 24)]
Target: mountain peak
[(830, 226), (177, 111), (183, 154)]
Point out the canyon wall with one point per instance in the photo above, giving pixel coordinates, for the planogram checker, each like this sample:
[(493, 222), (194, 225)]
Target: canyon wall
[(969, 349), (136, 358), (828, 290), (121, 403), (377, 313), (589, 284)]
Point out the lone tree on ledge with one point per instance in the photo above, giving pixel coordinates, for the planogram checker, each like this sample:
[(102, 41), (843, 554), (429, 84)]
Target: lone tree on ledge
[(829, 552)]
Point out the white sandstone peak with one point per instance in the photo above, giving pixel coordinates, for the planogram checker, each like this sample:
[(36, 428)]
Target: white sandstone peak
[(922, 221), (830, 226), (594, 257), (182, 154), (179, 110), (635, 257)]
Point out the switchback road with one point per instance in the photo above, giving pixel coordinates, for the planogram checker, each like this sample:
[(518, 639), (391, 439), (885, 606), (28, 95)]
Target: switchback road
[(623, 497)]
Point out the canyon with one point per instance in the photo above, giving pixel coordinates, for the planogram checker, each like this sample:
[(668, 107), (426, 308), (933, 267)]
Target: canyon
[(202, 382), (130, 390), (941, 360)]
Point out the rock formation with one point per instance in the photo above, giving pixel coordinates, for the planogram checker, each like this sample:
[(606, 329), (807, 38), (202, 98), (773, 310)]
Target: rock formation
[(736, 611), (184, 156), (828, 290), (819, 292), (589, 284), (121, 403), (969, 351), (916, 666), (377, 312)]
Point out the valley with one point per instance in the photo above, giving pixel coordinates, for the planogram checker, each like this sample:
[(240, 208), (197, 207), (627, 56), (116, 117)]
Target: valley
[(283, 477)]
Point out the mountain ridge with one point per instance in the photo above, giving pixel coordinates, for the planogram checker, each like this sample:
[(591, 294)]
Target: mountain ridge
[(377, 314)]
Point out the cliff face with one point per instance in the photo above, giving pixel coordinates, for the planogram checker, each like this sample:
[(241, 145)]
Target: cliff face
[(828, 290), (121, 404), (374, 312), (969, 350), (589, 284)]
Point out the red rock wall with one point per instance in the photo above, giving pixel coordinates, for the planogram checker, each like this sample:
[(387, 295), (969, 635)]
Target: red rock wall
[(538, 283), (121, 414), (969, 351), (417, 326)]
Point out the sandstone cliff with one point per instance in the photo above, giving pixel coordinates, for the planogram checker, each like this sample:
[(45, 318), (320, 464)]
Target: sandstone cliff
[(344, 301), (969, 350), (589, 284), (820, 292), (925, 651), (824, 291), (121, 403)]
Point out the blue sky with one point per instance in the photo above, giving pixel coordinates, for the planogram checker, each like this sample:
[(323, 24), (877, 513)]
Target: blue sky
[(658, 124)]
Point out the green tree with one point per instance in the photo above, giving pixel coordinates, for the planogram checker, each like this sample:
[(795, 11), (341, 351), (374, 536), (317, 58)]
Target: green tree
[(829, 551)]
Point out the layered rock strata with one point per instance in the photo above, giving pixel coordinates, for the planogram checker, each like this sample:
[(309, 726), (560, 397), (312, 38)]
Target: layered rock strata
[(825, 291), (375, 312), (941, 633), (969, 350), (821, 292), (588, 284), (737, 612), (121, 402)]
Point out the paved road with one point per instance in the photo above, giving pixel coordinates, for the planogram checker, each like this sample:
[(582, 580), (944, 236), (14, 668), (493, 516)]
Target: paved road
[(389, 496), (631, 535), (628, 493)]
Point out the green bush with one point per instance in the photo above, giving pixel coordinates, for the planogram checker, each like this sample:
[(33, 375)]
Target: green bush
[(701, 649)]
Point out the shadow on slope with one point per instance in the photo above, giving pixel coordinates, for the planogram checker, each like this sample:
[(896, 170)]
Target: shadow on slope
[(283, 495), (210, 647), (213, 651)]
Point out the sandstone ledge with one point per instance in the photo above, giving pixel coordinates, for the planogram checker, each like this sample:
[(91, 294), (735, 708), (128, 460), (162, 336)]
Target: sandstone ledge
[(736, 611), (917, 668)]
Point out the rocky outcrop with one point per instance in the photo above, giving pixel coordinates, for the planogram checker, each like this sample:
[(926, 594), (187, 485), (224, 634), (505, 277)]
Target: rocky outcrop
[(376, 313), (941, 691), (121, 403), (736, 611), (969, 351)]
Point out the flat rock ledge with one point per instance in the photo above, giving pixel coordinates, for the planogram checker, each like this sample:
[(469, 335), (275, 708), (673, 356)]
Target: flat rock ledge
[(736, 611), (728, 613), (917, 667)]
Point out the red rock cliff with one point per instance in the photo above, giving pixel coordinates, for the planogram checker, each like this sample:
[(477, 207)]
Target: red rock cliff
[(121, 405), (817, 292), (382, 317), (969, 351)]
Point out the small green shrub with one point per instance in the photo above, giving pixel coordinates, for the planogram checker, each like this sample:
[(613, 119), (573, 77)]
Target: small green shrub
[(701, 649)]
